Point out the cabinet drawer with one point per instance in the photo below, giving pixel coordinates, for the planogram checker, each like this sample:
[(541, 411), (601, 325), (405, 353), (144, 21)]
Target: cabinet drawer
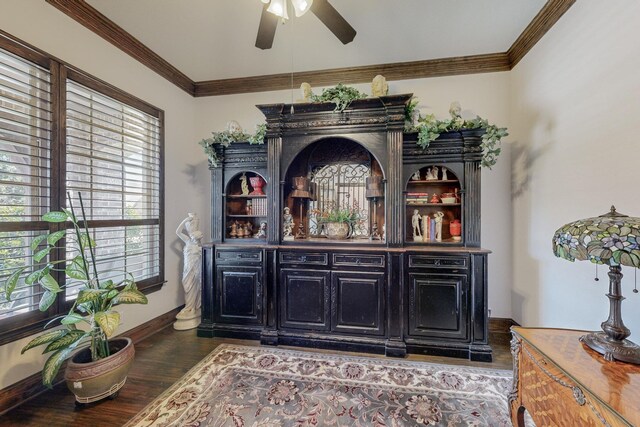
[(236, 256), (433, 261), (310, 258), (358, 260)]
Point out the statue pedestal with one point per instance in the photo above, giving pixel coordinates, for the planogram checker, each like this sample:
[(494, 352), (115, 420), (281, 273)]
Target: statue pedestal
[(187, 320)]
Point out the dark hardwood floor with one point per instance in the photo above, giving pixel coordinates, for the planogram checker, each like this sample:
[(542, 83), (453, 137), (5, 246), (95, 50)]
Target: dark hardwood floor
[(161, 360)]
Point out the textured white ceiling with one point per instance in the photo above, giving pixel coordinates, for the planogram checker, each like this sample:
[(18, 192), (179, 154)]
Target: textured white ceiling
[(214, 39)]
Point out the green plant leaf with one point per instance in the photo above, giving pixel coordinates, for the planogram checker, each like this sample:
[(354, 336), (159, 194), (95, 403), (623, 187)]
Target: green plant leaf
[(108, 321), (87, 295), (12, 282), (65, 341), (75, 269), (37, 275), (45, 338), (53, 363), (86, 241), (112, 293), (46, 300), (41, 254), (71, 319), (55, 216), (107, 284), (130, 296), (49, 283), (54, 237), (37, 240)]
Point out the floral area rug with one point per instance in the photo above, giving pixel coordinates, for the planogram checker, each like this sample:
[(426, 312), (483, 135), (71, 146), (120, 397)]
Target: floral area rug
[(265, 386)]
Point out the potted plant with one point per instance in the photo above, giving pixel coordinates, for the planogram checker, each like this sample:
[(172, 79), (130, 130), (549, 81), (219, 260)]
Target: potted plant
[(338, 222), (100, 369)]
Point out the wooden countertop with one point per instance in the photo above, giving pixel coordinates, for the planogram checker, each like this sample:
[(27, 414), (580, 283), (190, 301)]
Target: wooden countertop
[(615, 384)]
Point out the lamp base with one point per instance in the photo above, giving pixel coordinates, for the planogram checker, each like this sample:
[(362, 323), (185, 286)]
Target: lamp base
[(622, 350)]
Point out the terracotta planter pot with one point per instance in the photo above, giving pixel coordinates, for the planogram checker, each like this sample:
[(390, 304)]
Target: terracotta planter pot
[(91, 381), (338, 230)]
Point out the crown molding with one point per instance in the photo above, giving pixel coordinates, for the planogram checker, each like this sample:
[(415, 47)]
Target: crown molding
[(92, 19), (394, 71), (537, 28)]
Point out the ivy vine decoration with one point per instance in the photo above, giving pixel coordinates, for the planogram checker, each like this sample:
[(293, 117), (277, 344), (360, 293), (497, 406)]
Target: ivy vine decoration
[(340, 94), (226, 138), (429, 128)]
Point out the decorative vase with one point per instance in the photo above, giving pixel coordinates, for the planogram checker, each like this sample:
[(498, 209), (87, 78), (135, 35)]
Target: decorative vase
[(455, 228), (256, 183), (92, 381), (338, 230)]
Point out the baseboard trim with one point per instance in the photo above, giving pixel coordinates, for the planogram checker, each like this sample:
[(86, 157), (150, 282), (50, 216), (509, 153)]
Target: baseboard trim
[(31, 386)]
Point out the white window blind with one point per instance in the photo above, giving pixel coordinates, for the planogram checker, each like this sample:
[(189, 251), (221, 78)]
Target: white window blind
[(113, 159), (25, 172)]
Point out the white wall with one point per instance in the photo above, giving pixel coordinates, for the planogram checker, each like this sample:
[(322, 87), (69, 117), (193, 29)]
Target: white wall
[(186, 174), (481, 94), (575, 103)]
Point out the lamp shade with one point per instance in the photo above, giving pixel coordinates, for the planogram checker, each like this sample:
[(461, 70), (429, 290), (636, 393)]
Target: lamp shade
[(612, 239), (301, 6), (279, 8)]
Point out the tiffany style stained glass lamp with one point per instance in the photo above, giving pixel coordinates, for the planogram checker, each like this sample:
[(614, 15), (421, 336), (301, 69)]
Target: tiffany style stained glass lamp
[(612, 239)]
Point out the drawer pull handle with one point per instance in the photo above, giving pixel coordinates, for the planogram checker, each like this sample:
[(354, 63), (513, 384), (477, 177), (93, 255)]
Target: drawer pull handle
[(303, 258), (358, 261), (436, 262)]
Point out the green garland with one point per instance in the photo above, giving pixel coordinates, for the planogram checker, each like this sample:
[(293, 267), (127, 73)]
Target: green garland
[(429, 128), (225, 138), (340, 94)]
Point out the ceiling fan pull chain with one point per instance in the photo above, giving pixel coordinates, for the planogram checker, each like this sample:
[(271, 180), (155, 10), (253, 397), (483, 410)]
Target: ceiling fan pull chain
[(596, 279)]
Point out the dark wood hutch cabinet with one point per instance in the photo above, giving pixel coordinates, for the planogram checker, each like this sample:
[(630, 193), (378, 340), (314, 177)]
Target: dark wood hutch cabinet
[(394, 295)]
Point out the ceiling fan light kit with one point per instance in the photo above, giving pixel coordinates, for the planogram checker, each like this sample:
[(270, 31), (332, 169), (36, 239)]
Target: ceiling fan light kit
[(277, 9)]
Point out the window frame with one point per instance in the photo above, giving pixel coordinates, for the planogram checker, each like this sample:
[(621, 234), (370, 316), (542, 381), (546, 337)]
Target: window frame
[(26, 324)]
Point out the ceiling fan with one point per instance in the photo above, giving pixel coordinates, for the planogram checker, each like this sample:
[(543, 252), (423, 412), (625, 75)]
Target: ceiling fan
[(274, 10)]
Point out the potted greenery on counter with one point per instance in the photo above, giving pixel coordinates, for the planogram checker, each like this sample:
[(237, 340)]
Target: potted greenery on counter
[(100, 369)]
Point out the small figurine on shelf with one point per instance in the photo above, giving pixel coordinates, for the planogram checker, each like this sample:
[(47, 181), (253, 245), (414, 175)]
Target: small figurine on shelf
[(244, 185), (287, 224), (434, 198), (415, 176), (438, 218), (248, 209), (444, 174), (262, 231), (248, 230), (432, 174), (415, 222), (234, 230)]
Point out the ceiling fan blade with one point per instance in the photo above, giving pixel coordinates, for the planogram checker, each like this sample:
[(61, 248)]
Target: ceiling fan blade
[(333, 20), (267, 29)]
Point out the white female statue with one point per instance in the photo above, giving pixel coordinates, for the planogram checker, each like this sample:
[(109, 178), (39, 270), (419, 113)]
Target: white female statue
[(189, 316), (438, 217)]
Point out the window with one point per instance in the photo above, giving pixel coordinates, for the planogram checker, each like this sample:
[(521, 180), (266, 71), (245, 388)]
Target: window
[(63, 131)]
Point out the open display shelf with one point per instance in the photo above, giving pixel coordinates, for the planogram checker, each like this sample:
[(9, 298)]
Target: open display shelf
[(426, 197), (245, 212)]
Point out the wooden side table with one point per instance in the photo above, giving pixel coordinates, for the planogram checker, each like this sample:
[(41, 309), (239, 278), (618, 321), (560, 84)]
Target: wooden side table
[(561, 382)]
